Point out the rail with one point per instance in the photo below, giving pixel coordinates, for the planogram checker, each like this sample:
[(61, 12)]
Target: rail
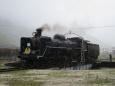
[(8, 69)]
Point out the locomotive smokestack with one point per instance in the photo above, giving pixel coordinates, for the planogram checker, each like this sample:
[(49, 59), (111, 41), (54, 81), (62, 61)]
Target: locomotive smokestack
[(39, 32)]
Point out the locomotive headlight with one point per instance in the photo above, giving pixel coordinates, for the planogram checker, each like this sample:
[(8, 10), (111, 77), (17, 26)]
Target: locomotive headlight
[(34, 33)]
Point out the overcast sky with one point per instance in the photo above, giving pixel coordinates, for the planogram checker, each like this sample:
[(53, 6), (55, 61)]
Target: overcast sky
[(85, 13)]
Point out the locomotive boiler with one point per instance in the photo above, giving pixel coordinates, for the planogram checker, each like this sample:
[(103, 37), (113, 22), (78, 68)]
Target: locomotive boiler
[(58, 50)]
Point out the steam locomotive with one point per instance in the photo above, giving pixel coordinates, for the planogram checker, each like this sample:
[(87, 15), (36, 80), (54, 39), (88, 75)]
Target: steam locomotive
[(58, 50)]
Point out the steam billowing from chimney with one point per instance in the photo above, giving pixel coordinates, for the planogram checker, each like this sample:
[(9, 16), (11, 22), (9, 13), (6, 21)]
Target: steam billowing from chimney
[(49, 30), (45, 27)]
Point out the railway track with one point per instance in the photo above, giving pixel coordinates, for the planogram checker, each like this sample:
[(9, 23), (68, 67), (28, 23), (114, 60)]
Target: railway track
[(8, 69), (14, 66), (20, 65)]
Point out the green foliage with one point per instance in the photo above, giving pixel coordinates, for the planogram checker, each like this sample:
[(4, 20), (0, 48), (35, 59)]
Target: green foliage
[(105, 55), (58, 74), (21, 78), (17, 82), (111, 72), (59, 77), (22, 81), (1, 65), (19, 72), (98, 80)]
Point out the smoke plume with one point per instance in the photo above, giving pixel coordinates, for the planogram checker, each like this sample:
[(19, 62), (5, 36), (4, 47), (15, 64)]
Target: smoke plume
[(50, 30)]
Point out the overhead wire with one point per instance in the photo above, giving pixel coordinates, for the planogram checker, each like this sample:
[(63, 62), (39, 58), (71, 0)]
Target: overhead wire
[(34, 27), (103, 26)]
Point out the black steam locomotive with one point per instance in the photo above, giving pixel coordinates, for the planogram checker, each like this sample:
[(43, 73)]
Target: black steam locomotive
[(57, 50)]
